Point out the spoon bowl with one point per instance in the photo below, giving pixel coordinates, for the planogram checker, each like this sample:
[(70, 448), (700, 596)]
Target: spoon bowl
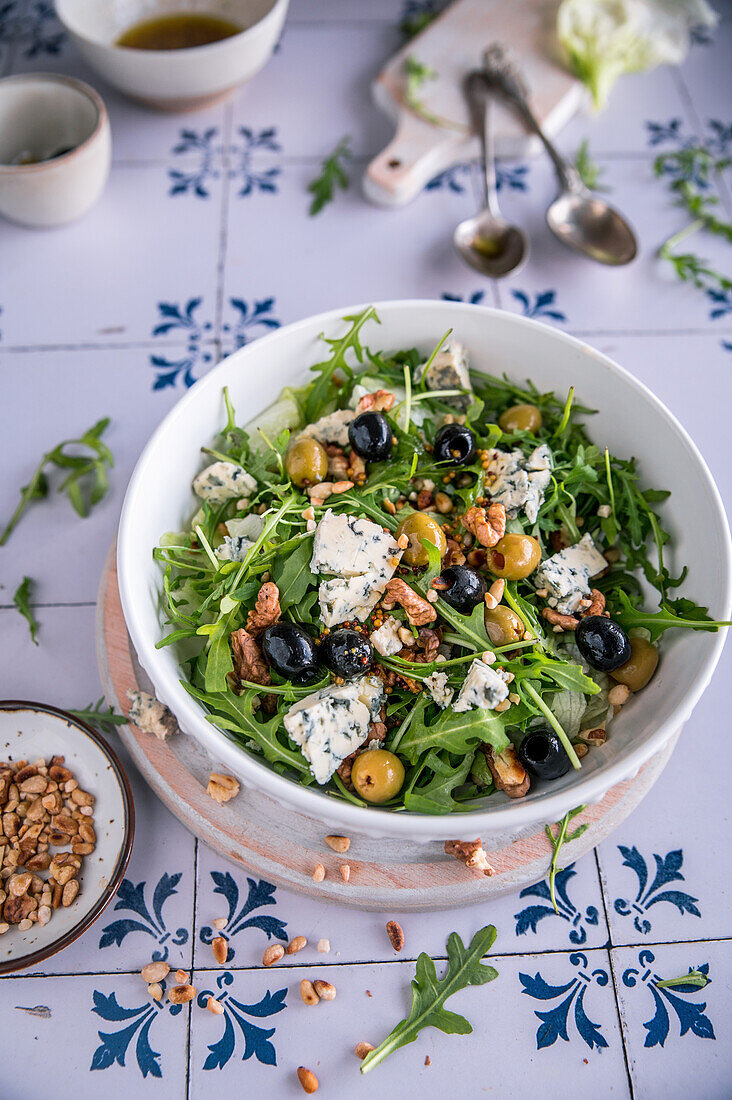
[(588, 224), (490, 245)]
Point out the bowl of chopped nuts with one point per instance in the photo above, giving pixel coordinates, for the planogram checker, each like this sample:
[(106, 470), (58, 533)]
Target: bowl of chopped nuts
[(67, 820)]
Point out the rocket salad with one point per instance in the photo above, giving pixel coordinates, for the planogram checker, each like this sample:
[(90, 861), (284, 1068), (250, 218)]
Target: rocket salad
[(412, 584)]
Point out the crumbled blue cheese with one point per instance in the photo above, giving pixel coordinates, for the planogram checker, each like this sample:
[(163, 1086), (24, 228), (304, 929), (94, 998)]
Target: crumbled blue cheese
[(233, 549), (483, 687), (386, 640), (449, 370), (332, 723), (362, 556), (222, 481), (241, 535), (150, 715), (517, 482), (566, 575), (330, 429), (436, 684)]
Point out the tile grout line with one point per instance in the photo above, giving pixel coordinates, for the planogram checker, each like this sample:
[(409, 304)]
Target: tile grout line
[(601, 878), (193, 965), (683, 88), (224, 220), (623, 1027)]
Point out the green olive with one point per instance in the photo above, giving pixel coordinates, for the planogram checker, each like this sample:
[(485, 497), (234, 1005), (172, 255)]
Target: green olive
[(377, 775), (306, 462), (640, 666), (503, 625), (514, 557), (417, 526), (520, 418)]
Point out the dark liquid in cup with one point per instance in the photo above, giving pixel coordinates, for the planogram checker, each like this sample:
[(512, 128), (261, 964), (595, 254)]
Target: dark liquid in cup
[(177, 32)]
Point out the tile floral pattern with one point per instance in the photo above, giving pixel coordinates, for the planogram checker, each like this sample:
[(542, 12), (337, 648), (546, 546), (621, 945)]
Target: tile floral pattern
[(593, 992)]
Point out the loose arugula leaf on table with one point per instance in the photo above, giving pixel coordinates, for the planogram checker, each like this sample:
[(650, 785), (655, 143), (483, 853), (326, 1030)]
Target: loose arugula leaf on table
[(332, 176), (557, 842), (464, 968), (85, 484), (21, 599), (100, 716), (696, 979), (417, 73), (590, 172)]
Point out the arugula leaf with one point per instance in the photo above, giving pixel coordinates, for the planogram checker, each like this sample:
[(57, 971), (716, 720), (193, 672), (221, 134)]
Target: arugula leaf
[(332, 175), (86, 483), (459, 732), (292, 575), (562, 838), (21, 599), (435, 797), (695, 978), (417, 73), (672, 613), (100, 716), (429, 993), (323, 389)]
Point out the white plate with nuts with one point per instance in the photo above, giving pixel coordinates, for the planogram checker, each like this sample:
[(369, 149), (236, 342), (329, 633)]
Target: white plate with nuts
[(66, 826)]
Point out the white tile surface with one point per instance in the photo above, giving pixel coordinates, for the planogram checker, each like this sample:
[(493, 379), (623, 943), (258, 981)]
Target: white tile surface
[(235, 234)]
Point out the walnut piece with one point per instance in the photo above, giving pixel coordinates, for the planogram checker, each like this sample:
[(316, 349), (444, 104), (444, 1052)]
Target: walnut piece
[(419, 611), (221, 787), (454, 554), (555, 618), (597, 605), (488, 525), (508, 773), (249, 663), (380, 401), (266, 610), (472, 854)]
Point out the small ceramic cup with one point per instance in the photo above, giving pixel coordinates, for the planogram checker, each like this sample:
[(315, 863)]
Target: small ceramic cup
[(174, 80), (59, 127)]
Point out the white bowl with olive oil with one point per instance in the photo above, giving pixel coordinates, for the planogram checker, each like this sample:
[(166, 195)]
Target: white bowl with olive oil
[(175, 55), (630, 421)]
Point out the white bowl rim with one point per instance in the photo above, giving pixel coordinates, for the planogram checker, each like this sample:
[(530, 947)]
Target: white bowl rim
[(514, 815), (72, 82), (156, 55)]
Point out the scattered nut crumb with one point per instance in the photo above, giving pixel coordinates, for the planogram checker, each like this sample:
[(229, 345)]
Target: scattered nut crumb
[(345, 870), (307, 1079), (362, 1049), (395, 933), (319, 873), (308, 993), (214, 1006), (296, 945), (219, 923), (181, 977), (155, 990), (325, 990), (338, 843), (369, 993), (427, 1061), (155, 972), (273, 954), (222, 788), (323, 946), (181, 994), (220, 949)]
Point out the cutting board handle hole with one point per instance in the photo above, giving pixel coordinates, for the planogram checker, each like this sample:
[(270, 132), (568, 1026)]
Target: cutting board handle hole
[(394, 163)]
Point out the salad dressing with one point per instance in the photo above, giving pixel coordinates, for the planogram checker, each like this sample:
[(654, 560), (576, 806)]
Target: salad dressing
[(178, 31)]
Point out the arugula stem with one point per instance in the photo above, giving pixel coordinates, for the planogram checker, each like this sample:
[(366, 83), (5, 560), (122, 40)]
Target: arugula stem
[(433, 356), (557, 845), (207, 547), (676, 238), (402, 730), (408, 398), (568, 747), (694, 978)]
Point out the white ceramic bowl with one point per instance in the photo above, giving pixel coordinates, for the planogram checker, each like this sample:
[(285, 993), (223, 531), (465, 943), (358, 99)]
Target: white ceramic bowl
[(41, 113), (174, 80), (631, 421)]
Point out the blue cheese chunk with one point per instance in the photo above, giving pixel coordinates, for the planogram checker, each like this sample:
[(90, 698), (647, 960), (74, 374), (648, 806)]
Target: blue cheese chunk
[(437, 686), (386, 640), (150, 715), (222, 481), (349, 546), (449, 370), (233, 548), (330, 429), (566, 575), (540, 458), (484, 687), (241, 535), (517, 482), (345, 598), (331, 724)]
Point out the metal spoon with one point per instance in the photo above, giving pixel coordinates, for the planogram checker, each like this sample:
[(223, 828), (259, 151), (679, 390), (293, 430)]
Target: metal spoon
[(579, 218), (487, 241)]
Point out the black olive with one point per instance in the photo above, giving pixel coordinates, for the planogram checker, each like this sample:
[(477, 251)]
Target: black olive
[(370, 436), (466, 588), (542, 753), (346, 653), (291, 652), (454, 443), (602, 642)]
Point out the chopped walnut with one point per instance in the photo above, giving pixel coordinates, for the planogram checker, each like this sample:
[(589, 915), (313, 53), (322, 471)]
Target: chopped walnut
[(488, 525), (471, 853), (356, 468), (337, 462), (380, 401), (429, 640), (419, 611), (564, 622), (454, 554), (249, 663), (508, 773), (267, 608), (425, 500), (221, 787), (596, 605)]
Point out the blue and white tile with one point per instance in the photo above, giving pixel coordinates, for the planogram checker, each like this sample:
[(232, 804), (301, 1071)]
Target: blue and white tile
[(377, 254), (574, 1046), (585, 297), (330, 11), (98, 281), (313, 105), (706, 70), (113, 382), (258, 914), (677, 1038), (91, 1035)]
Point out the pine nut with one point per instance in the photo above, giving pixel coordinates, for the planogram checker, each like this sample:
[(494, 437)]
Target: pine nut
[(156, 991), (324, 946), (273, 954), (307, 992), (181, 994), (319, 873), (214, 1006), (219, 923), (155, 972), (296, 945), (345, 870), (220, 949), (338, 843), (307, 1079), (395, 933), (181, 977), (325, 990)]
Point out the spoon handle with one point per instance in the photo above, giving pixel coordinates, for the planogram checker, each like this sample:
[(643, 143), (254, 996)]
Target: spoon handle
[(504, 79), (480, 105)]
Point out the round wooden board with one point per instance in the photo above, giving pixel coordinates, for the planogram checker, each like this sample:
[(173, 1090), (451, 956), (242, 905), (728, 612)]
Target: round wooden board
[(282, 846)]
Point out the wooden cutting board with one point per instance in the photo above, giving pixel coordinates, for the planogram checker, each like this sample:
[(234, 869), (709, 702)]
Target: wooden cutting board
[(453, 45)]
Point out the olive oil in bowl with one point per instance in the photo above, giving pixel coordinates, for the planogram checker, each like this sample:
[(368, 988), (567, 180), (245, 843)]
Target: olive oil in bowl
[(177, 31)]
